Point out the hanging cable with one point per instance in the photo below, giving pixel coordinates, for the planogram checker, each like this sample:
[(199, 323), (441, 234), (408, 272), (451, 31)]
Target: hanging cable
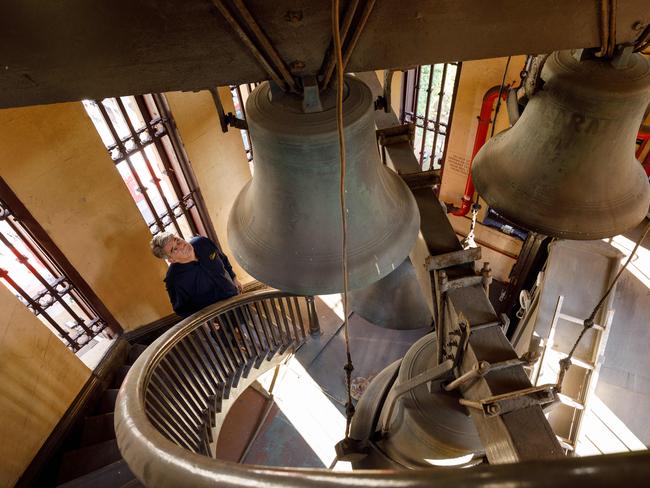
[(349, 408), (588, 323), (503, 84), (607, 28)]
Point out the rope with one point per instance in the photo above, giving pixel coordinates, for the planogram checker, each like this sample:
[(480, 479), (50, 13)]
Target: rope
[(336, 34), (607, 28), (588, 323)]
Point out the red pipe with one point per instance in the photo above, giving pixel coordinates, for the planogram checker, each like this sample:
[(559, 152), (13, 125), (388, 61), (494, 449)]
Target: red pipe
[(484, 120), (644, 132)]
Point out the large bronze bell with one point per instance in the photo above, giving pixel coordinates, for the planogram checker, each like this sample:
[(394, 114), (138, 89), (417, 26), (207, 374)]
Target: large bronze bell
[(425, 427), (285, 225), (567, 167), (394, 302)]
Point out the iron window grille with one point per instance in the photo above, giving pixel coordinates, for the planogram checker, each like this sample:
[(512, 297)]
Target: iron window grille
[(141, 138), (428, 96), (240, 112), (41, 283)]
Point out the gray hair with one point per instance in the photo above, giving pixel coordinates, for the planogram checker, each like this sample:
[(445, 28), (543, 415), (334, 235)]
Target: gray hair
[(159, 242)]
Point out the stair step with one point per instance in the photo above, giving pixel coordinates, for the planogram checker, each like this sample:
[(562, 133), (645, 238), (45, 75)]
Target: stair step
[(135, 352), (82, 461), (98, 428), (107, 401), (109, 476), (120, 374)]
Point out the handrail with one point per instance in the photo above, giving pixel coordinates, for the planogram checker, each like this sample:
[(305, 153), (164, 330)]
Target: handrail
[(158, 461)]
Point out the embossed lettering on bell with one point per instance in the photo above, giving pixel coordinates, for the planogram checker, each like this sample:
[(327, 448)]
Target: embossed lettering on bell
[(285, 225)]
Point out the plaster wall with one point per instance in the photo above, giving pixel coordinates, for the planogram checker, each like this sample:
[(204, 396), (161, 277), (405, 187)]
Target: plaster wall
[(53, 159), (218, 159), (40, 378), (476, 78)]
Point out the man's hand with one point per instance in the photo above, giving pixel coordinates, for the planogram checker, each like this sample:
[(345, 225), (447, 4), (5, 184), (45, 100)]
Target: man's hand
[(238, 285)]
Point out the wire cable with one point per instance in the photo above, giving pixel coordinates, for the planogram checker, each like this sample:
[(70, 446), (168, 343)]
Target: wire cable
[(503, 84), (588, 323), (336, 35)]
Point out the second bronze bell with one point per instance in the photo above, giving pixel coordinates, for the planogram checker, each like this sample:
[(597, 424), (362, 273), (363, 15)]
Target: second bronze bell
[(567, 167)]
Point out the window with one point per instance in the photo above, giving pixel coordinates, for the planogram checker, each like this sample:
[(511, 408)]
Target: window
[(40, 282), (240, 112), (141, 138), (428, 94)]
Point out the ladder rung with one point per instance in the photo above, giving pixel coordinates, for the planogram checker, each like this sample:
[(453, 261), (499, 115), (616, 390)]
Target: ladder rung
[(570, 402), (578, 321), (575, 361), (565, 443)]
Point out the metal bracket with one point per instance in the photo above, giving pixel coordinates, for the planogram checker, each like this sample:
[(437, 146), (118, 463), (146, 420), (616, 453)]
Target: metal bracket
[(515, 400), (482, 368), (394, 135), (397, 392), (311, 95), (455, 258), (226, 120)]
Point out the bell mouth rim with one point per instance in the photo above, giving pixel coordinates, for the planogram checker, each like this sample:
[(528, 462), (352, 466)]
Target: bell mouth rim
[(325, 271)]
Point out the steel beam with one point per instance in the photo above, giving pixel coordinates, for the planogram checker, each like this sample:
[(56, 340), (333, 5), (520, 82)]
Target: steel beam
[(520, 435), (75, 49)]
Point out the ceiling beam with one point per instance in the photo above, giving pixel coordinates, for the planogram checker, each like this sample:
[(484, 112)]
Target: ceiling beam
[(75, 49)]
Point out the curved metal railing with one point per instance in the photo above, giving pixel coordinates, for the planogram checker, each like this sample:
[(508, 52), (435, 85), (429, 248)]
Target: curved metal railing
[(173, 402)]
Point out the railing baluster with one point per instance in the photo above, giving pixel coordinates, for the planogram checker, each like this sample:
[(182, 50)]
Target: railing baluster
[(252, 333), (189, 415), (208, 347), (262, 333), (193, 371), (207, 370), (170, 378), (170, 421), (301, 322), (297, 336), (237, 347), (218, 334), (275, 333), (164, 429), (278, 322), (285, 322), (177, 369)]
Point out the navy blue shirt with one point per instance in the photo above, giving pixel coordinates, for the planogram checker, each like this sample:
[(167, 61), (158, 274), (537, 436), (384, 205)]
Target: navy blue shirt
[(193, 286)]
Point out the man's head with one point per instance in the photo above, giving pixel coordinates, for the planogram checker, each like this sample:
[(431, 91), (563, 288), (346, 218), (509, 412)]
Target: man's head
[(172, 248)]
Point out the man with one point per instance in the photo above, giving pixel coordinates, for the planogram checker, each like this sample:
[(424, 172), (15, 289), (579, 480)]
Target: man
[(198, 275)]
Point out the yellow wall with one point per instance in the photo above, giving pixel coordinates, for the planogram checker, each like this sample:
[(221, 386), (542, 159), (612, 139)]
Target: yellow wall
[(40, 378), (476, 78), (53, 159), (218, 159)]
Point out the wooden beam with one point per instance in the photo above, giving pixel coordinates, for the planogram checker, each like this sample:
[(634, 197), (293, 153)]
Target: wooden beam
[(75, 49)]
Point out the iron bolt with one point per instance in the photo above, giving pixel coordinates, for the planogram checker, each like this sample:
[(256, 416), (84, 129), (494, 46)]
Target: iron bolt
[(493, 409), (638, 25), (293, 16), (297, 65)]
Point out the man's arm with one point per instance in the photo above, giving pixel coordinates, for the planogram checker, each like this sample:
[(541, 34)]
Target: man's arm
[(226, 264), (181, 301)]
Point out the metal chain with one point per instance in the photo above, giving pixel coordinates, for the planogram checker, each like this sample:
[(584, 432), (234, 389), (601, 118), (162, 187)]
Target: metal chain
[(336, 34), (588, 323)]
